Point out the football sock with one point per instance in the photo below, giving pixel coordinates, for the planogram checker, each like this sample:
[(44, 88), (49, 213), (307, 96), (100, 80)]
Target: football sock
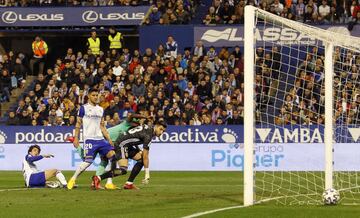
[(109, 181), (80, 151), (135, 171), (101, 168), (108, 174), (82, 167), (61, 178), (113, 173)]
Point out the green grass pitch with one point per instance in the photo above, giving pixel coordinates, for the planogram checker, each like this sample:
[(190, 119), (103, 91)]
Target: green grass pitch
[(170, 194)]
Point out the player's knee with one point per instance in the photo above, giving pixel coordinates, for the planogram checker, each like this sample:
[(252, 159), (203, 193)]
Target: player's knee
[(110, 154), (123, 170), (53, 172), (140, 161)]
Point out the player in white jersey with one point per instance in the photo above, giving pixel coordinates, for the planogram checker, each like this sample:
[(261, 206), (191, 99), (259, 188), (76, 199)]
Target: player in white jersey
[(35, 178), (90, 116)]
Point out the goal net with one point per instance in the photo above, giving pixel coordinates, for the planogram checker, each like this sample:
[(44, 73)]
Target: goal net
[(302, 103)]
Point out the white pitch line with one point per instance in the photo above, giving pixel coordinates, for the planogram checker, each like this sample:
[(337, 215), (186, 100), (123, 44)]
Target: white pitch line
[(262, 201), (226, 208), (213, 211), (21, 189), (14, 189)]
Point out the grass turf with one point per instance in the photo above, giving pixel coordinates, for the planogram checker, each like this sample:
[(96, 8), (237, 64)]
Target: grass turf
[(170, 194)]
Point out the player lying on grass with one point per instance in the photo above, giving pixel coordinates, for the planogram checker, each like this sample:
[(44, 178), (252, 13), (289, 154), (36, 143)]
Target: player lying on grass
[(35, 178), (114, 132), (127, 146), (91, 117)]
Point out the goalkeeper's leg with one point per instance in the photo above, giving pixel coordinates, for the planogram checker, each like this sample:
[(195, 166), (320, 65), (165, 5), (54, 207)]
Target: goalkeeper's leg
[(114, 172), (101, 170)]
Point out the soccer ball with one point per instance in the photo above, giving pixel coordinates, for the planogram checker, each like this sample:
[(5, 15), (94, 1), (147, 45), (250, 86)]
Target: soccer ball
[(331, 196)]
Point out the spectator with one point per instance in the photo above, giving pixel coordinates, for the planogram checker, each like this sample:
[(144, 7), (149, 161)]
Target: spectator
[(167, 16), (154, 16), (40, 50), (138, 89), (5, 85), (93, 43), (171, 48), (278, 7), (324, 12), (117, 69), (199, 50), (12, 120), (20, 70), (182, 15), (24, 118), (115, 39), (236, 119)]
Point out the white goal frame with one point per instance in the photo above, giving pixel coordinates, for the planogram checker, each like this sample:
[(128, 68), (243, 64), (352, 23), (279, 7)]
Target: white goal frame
[(329, 39)]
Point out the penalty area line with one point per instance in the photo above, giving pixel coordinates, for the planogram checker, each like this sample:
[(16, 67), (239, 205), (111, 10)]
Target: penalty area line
[(228, 208), (213, 211), (263, 201)]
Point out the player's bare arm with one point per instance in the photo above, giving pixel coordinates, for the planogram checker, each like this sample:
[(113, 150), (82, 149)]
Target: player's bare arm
[(105, 132), (77, 131)]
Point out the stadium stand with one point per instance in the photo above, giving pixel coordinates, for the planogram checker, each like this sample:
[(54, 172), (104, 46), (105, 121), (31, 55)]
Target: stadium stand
[(166, 85), (192, 87), (314, 12)]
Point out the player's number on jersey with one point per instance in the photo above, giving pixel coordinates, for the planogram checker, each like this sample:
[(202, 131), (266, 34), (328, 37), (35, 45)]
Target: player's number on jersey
[(136, 129), (88, 146)]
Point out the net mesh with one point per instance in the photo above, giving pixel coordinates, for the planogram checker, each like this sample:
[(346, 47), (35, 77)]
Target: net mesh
[(290, 112)]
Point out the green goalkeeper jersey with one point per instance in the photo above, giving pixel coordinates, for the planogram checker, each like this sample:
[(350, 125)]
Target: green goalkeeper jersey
[(115, 131)]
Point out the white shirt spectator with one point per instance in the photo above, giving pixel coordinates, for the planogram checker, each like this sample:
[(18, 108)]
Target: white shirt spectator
[(59, 112), (279, 7), (324, 10), (171, 48), (117, 70)]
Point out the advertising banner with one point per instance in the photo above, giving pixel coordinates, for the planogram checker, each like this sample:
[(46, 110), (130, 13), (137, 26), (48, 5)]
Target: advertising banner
[(201, 157), (229, 36), (201, 148), (191, 134), (72, 16), (174, 134)]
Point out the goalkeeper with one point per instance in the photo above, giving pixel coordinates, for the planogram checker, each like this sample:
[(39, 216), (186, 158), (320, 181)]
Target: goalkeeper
[(132, 120)]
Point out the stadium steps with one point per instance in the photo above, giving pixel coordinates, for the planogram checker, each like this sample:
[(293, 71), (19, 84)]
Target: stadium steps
[(15, 95)]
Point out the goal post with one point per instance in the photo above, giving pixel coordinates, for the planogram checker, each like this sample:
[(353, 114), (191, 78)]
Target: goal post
[(328, 134), (289, 78), (249, 129)]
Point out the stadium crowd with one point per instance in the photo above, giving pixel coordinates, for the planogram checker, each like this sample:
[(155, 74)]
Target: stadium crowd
[(13, 74), (308, 11), (163, 11), (193, 87), (74, 3), (298, 96)]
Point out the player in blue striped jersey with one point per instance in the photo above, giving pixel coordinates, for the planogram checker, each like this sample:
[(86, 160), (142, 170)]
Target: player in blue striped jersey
[(35, 178)]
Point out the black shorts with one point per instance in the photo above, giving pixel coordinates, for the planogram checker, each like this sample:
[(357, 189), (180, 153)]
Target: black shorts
[(126, 152)]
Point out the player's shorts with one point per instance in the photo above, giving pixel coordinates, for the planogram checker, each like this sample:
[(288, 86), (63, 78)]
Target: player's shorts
[(93, 147), (126, 152), (37, 180)]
